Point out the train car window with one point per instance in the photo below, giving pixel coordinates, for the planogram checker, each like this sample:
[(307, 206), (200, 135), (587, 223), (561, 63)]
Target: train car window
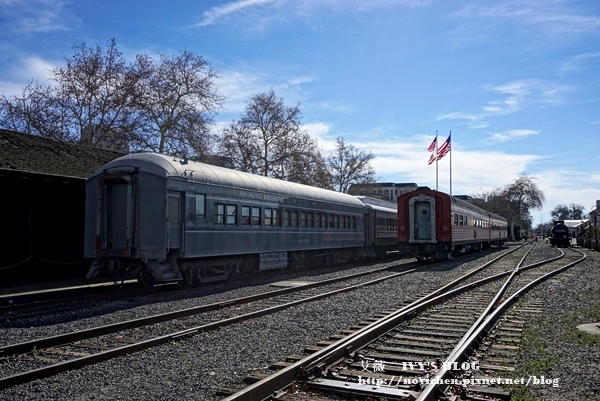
[(294, 222), (226, 214), (245, 220), (200, 206), (310, 220), (220, 213), (287, 218), (255, 218), (231, 214), (276, 218), (320, 220), (303, 219), (336, 221), (460, 220), (330, 221), (268, 221), (466, 220), (353, 222), (455, 219), (195, 208)]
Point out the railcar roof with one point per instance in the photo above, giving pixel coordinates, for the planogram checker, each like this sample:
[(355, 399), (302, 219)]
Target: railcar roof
[(471, 206), (173, 167), (457, 201), (381, 208)]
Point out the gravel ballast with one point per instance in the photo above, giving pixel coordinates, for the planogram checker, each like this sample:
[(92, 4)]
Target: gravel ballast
[(192, 368)]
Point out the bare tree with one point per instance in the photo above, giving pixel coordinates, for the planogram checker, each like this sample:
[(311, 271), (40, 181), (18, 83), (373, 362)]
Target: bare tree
[(515, 201), (268, 140), (524, 195), (35, 113), (177, 104), (97, 90), (308, 166), (238, 146), (349, 165), (99, 98)]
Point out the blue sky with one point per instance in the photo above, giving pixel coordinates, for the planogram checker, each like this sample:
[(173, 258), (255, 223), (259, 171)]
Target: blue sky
[(517, 82)]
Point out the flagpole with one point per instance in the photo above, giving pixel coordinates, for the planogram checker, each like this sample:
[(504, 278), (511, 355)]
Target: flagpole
[(450, 165), (436, 161)]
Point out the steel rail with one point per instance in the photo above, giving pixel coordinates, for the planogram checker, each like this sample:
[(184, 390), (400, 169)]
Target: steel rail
[(473, 339), (66, 338), (103, 355), (500, 293), (318, 362), (100, 356)]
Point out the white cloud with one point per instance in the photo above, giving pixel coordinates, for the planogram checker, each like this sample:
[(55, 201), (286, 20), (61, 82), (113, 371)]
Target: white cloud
[(219, 13), (240, 84), (556, 17), (37, 16), (514, 97), (320, 132), (260, 12), (580, 62), (512, 134), (25, 70)]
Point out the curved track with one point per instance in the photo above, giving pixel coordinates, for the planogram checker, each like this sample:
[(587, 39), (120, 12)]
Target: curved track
[(428, 341)]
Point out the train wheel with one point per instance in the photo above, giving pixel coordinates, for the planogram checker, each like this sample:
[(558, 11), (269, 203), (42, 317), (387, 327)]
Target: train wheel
[(186, 283), (146, 278)]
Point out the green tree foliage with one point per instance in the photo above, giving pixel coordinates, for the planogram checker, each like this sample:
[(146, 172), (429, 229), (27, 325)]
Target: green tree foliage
[(573, 211)]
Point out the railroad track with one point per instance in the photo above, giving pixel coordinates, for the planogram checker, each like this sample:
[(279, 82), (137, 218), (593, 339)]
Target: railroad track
[(34, 302), (42, 357), (27, 303), (419, 351)]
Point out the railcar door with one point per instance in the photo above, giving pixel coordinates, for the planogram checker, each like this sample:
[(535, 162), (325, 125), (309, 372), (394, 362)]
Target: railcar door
[(116, 211), (422, 220), (174, 220)]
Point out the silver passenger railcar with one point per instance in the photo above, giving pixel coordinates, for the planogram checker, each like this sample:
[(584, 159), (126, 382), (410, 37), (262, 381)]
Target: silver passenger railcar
[(168, 219), (382, 226)]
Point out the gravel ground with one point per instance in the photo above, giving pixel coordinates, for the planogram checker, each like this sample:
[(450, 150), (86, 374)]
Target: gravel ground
[(192, 368), (552, 345)]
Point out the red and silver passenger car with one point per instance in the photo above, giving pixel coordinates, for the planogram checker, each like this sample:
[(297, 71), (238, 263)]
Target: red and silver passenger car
[(435, 225)]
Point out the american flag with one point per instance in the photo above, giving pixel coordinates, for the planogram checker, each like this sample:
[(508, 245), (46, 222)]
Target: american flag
[(431, 147), (444, 149)]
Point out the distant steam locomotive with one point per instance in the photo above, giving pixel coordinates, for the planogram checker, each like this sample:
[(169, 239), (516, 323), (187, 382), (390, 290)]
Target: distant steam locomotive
[(560, 234)]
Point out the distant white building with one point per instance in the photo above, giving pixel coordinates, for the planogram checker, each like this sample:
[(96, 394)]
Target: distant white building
[(94, 135), (386, 190)]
